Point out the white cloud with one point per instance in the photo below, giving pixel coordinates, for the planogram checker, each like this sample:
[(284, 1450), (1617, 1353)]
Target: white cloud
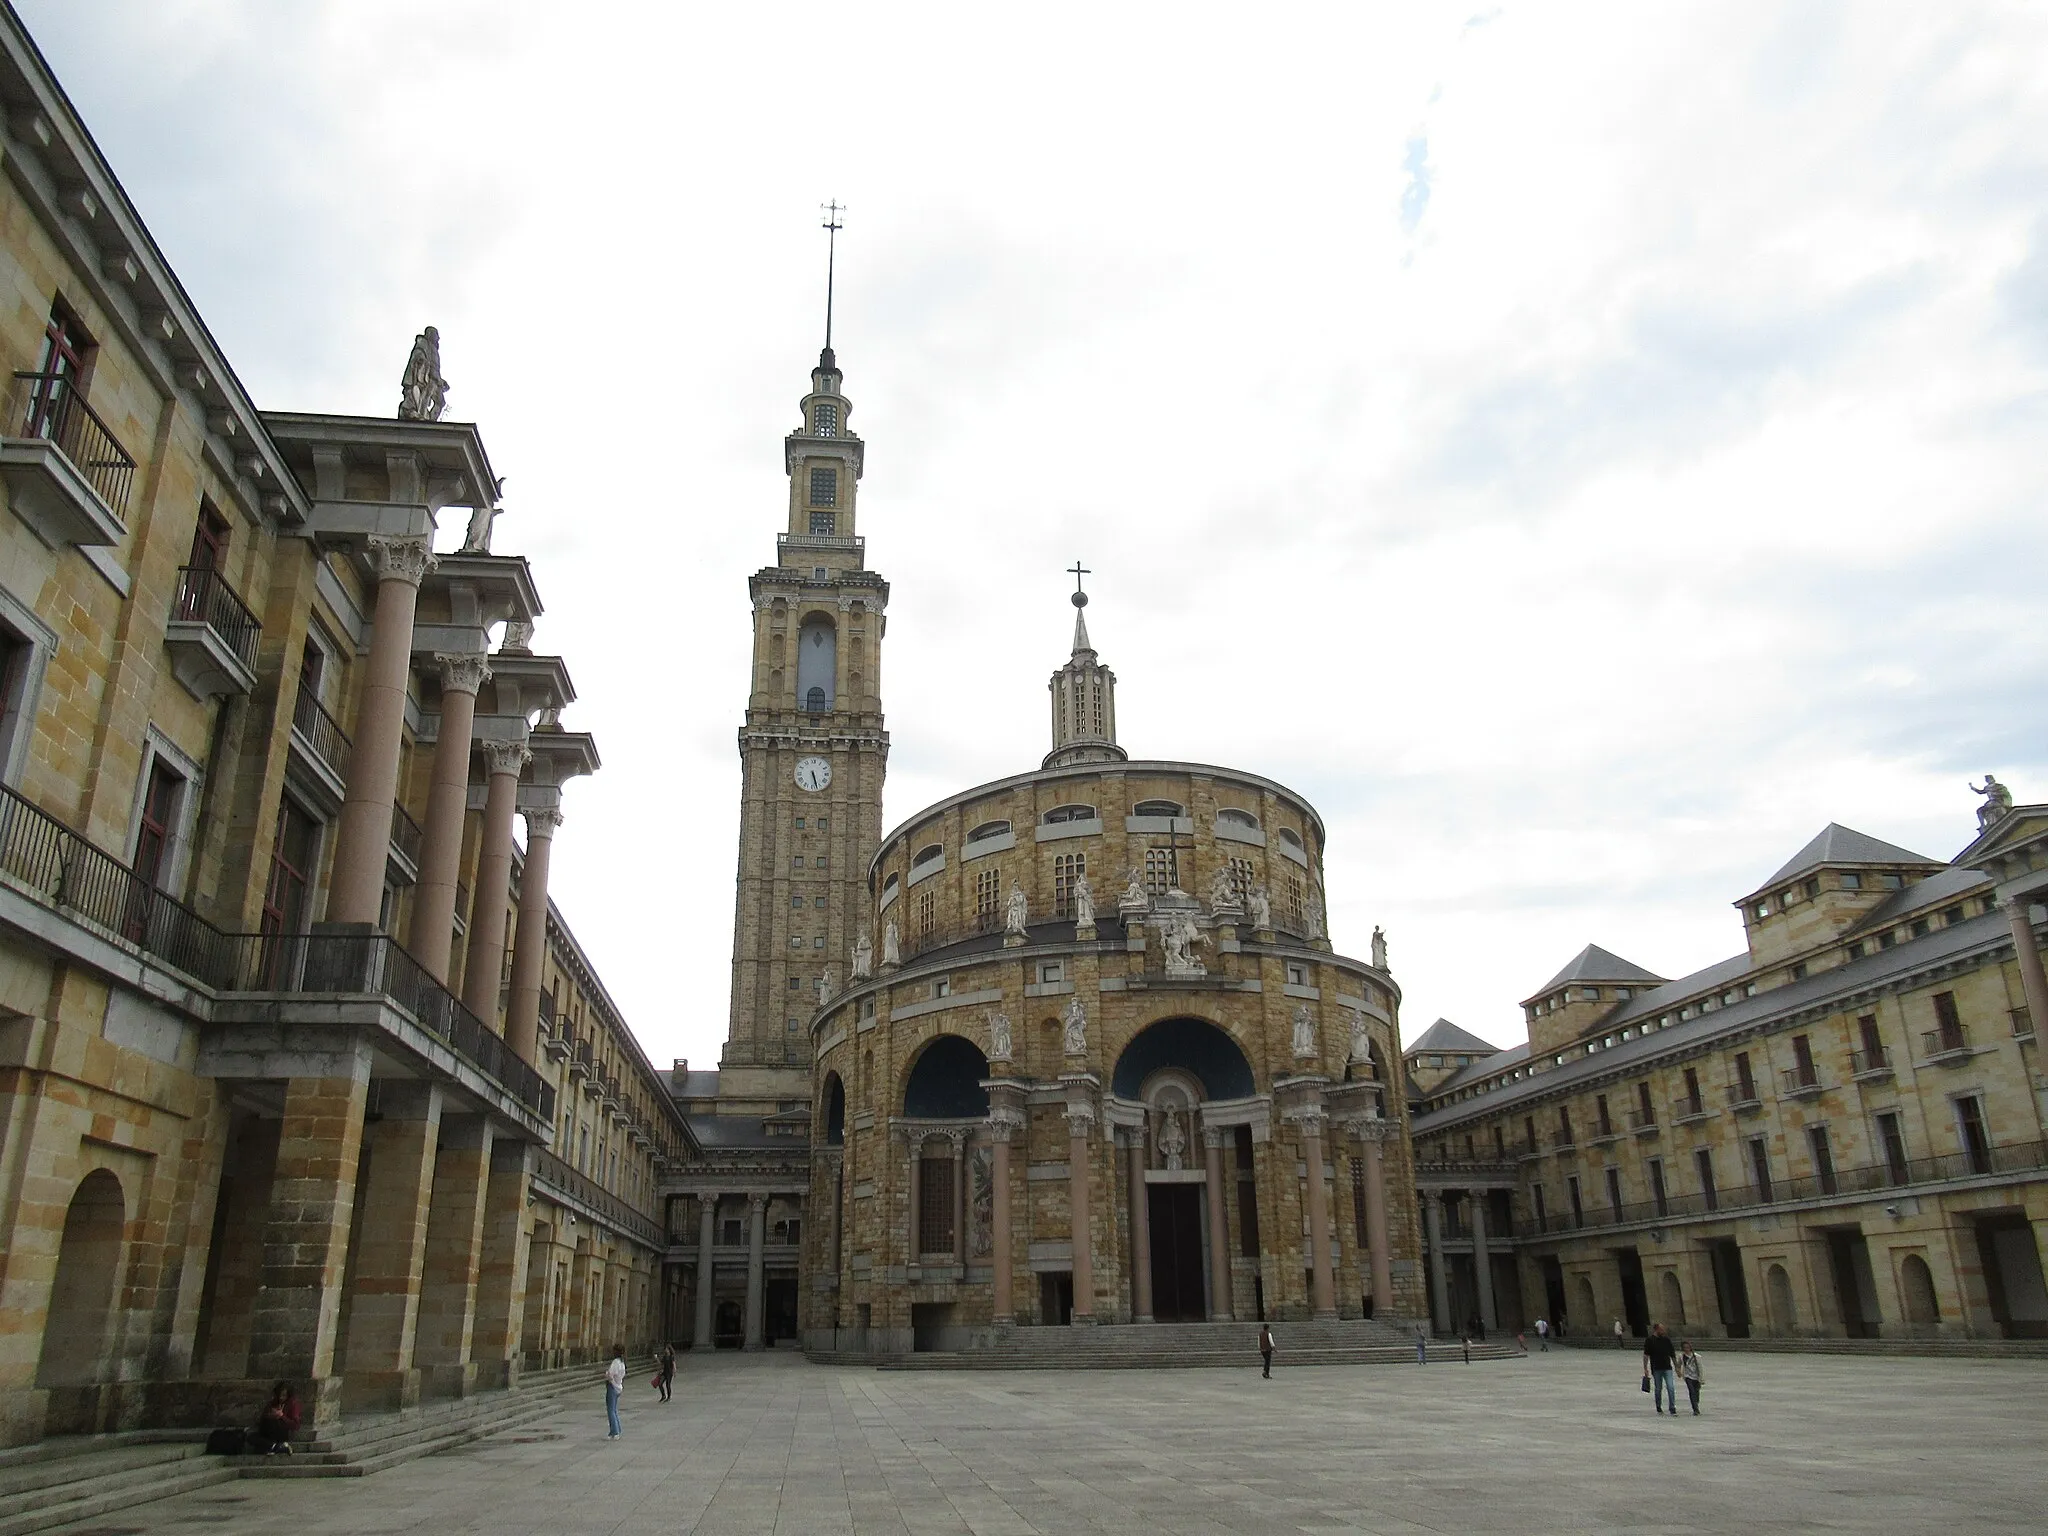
[(1584, 449)]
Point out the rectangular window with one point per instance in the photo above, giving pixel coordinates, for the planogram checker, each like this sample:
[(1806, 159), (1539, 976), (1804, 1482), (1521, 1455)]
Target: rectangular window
[(159, 827), (1050, 971), (1600, 1112), (792, 1026), (292, 851), (1067, 868), (1823, 1158), (1891, 1136), (825, 523), (796, 901), (1528, 1135), (1536, 1193), (935, 1206), (925, 914), (1873, 1042), (1760, 1167), (1614, 1192), (1974, 1134), (1660, 1198), (818, 903), (1160, 866), (1500, 1143), (988, 900), (943, 987), (796, 982), (1295, 902), (1692, 1091), (209, 541), (1578, 1207), (797, 862), (825, 418), (1949, 1034), (824, 487), (799, 823), (1564, 1127)]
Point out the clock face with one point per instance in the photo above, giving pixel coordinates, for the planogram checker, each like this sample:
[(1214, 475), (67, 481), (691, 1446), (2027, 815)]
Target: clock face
[(813, 773)]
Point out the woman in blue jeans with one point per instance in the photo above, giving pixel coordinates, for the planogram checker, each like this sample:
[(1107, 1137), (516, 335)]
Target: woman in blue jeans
[(614, 1384)]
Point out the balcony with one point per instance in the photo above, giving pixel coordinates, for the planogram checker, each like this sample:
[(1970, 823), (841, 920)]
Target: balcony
[(1605, 1134), (1564, 1144), (1643, 1122), (1691, 1108), (67, 475), (406, 841), (579, 1062), (2022, 1025), (1743, 1098), (1871, 1066), (320, 738), (1946, 1047), (822, 543), (550, 1172), (1800, 1083), (211, 636)]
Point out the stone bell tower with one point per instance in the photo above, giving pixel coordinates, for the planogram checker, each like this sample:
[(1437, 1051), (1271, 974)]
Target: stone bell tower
[(812, 754)]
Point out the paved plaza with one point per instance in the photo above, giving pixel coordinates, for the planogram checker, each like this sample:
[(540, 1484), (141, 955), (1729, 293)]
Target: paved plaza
[(1557, 1442)]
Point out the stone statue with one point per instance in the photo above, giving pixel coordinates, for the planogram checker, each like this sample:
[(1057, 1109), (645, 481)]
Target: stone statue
[(892, 951), (1304, 1032), (1019, 912), (1076, 1021), (1997, 801), (1084, 902), (1379, 948), (1316, 917), (863, 958), (1361, 1042), (550, 719), (423, 393), (477, 540), (518, 637), (1261, 907), (998, 1035), (1134, 892), (1173, 1141), (1179, 938), (827, 985), (1223, 895)]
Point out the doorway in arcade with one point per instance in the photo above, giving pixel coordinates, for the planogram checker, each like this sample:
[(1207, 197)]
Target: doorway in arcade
[(1179, 1242)]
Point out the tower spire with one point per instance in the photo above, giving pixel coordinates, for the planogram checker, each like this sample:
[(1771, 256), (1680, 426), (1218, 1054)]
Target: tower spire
[(1080, 601), (832, 225), (1083, 696)]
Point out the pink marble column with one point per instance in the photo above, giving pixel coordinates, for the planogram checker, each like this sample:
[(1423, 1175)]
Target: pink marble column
[(1005, 1306), (960, 1201), (1376, 1216), (485, 959), (2033, 980), (530, 941), (1141, 1229), (1325, 1282), (1079, 1123), (432, 937), (362, 843), (1221, 1307)]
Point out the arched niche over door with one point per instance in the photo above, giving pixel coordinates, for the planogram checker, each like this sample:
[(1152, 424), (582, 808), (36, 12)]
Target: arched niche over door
[(1195, 1046), (945, 1081), (82, 1292)]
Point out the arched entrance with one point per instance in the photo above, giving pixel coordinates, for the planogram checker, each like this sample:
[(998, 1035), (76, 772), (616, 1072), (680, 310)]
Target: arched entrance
[(1778, 1287), (1180, 1243), (82, 1291), (1916, 1285), (1674, 1301)]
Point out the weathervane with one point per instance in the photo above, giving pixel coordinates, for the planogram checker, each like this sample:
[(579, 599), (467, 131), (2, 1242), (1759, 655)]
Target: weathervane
[(832, 225)]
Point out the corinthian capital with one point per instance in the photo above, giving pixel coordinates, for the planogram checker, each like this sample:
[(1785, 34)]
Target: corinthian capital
[(406, 560), (506, 757), (463, 674), (542, 822)]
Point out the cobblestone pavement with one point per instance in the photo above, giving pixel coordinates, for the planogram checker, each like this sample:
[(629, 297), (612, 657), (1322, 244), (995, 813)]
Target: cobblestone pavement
[(1558, 1442)]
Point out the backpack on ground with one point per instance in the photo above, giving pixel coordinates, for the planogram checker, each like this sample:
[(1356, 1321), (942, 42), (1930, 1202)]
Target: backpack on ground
[(227, 1441)]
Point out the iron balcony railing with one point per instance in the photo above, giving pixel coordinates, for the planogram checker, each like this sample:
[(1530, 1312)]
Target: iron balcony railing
[(204, 597), (54, 409), (406, 836), (1640, 1120), (1743, 1096), (1874, 1178), (1876, 1059), (1944, 1041), (1688, 1107), (321, 732), (550, 1170), (1798, 1080)]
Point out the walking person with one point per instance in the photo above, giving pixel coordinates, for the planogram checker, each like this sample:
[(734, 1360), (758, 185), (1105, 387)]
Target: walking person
[(1421, 1346), (1659, 1355), (1620, 1335), (668, 1371), (1266, 1348), (614, 1384), (1689, 1372), (1543, 1334)]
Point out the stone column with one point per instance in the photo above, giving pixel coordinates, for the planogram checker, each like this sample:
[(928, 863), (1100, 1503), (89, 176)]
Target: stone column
[(530, 941), (1482, 1260), (1323, 1279), (294, 1320), (362, 843), (383, 1316), (1141, 1228), (2033, 979), (916, 1197), (455, 1245), (1376, 1218), (757, 1238), (999, 1219), (501, 1281), (707, 1235), (1439, 1271), (484, 961), (1080, 1120), (432, 936), (1222, 1307), (960, 1202)]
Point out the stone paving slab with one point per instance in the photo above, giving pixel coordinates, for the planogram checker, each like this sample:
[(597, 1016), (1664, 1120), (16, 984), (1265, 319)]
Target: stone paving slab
[(1559, 1442)]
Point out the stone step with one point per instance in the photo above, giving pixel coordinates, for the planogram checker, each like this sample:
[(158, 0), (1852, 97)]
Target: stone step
[(366, 1446), (1180, 1359), (89, 1497), (70, 1463)]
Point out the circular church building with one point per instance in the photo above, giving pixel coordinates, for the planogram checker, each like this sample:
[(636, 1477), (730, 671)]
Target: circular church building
[(1097, 1061)]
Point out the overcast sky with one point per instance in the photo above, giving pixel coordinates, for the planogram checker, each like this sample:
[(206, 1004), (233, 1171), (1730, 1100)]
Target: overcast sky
[(1583, 449)]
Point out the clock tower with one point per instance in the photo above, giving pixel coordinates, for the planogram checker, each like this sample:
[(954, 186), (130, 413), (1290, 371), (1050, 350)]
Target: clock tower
[(812, 756)]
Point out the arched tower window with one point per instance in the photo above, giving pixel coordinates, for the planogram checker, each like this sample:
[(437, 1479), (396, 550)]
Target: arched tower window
[(817, 663)]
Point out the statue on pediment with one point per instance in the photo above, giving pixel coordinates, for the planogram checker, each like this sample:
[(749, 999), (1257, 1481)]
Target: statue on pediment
[(1997, 801), (423, 393)]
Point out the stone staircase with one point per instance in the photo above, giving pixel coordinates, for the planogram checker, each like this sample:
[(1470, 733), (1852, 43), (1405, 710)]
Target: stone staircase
[(1154, 1346), (1926, 1349), (86, 1477)]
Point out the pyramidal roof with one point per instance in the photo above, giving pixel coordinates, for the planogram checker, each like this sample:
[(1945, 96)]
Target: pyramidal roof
[(1595, 964), (1443, 1035), (1837, 844)]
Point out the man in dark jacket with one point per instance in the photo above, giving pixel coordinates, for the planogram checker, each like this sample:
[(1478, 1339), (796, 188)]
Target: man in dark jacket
[(1659, 1355)]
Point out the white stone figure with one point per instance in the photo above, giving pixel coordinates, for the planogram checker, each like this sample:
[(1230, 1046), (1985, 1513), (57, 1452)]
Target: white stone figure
[(892, 947), (1179, 938), (1379, 948), (1084, 902), (1361, 1042), (827, 986), (518, 637), (1076, 1021), (863, 958), (550, 719), (476, 540), (1261, 906), (1316, 928), (1019, 912), (1997, 801), (1173, 1141), (1304, 1032), (998, 1035), (1223, 895), (1134, 892), (423, 393)]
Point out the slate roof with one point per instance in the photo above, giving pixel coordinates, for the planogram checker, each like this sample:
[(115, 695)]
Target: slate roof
[(717, 1133), (1837, 844), (1934, 891), (1596, 964), (693, 1085), (1443, 1035)]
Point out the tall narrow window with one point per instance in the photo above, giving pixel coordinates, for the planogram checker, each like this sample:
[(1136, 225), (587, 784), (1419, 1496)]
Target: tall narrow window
[(988, 900), (1745, 1077), (1358, 1201), (291, 869), (1564, 1127), (1066, 869), (159, 823), (1600, 1113), (209, 540), (825, 418), (1760, 1167), (824, 524), (1823, 1158), (925, 911), (1710, 1195), (1974, 1133), (1578, 1205), (1646, 1108), (1614, 1192), (1542, 1218), (1949, 1036), (1803, 1073), (1660, 1199), (62, 369), (1160, 866), (1873, 1043), (824, 487), (935, 1206), (1692, 1091)]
